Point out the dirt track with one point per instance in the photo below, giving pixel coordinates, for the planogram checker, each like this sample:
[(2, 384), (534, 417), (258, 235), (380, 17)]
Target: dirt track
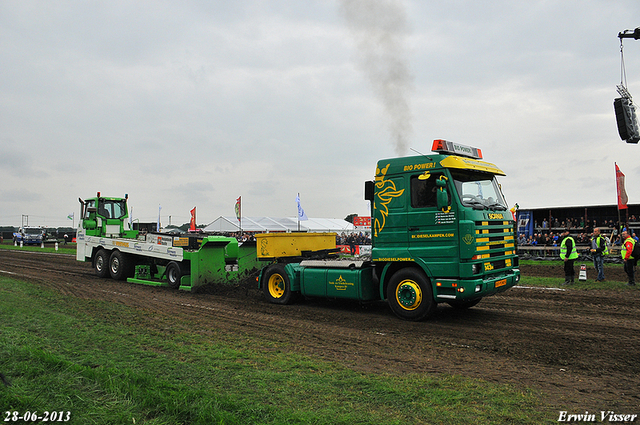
[(579, 347)]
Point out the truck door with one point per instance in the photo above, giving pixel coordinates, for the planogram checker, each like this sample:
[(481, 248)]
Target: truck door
[(431, 231), (389, 222)]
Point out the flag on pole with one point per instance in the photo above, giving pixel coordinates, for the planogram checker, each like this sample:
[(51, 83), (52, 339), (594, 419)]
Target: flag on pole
[(70, 216), (514, 211), (301, 215), (239, 207), (622, 193), (192, 222), (158, 225)]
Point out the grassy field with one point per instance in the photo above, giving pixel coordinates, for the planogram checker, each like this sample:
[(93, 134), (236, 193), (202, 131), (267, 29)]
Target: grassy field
[(612, 283), (69, 248), (121, 366), (559, 263), (557, 282), (111, 364)]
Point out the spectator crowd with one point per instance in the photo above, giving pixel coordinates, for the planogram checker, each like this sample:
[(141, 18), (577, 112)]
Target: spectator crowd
[(548, 233)]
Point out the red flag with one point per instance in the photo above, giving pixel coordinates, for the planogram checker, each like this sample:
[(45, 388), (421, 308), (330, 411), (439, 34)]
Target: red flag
[(622, 194), (192, 223), (238, 208)]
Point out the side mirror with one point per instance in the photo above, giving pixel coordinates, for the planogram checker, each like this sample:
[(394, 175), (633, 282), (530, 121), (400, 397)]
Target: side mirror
[(368, 191), (442, 197)]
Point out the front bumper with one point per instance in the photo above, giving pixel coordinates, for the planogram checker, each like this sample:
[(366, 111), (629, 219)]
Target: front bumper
[(469, 289)]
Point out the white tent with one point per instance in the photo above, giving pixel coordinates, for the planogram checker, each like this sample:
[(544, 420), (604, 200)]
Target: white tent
[(326, 225), (286, 224)]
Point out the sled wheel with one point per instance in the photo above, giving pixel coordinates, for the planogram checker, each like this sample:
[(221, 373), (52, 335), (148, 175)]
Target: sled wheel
[(410, 296), (174, 274)]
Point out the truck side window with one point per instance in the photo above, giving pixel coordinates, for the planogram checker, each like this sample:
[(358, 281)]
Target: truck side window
[(103, 211), (90, 204), (423, 192), (119, 209)]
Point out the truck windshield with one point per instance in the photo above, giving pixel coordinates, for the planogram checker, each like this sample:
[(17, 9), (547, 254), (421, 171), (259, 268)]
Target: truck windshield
[(32, 231), (112, 209), (479, 190)]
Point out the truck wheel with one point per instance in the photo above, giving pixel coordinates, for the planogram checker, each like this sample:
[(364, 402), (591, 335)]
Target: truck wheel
[(276, 285), (410, 295), (119, 266), (463, 305), (101, 263), (174, 274)]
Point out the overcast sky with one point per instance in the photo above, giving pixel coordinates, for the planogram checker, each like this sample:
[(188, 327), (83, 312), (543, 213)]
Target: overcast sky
[(195, 103)]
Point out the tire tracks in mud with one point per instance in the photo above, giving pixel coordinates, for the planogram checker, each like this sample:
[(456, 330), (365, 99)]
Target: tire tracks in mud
[(579, 347)]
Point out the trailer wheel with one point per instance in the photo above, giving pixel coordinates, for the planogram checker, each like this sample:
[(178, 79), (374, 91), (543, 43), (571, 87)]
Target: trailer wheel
[(463, 305), (119, 266), (276, 285), (410, 295), (174, 274), (101, 263)]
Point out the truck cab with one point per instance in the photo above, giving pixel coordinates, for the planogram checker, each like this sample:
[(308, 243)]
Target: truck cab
[(441, 230), (106, 217)]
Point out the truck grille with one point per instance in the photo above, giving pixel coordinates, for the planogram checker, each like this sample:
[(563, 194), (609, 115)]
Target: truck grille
[(495, 239)]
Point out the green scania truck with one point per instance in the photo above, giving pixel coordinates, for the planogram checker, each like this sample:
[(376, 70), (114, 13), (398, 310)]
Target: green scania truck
[(440, 228)]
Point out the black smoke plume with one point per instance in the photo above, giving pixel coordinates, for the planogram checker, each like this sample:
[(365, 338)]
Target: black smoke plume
[(380, 28)]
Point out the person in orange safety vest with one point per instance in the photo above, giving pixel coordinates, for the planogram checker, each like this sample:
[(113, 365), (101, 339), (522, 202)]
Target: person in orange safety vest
[(627, 255)]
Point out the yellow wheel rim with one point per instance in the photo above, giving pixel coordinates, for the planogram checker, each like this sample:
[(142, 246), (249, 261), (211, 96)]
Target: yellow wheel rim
[(409, 295), (276, 286)]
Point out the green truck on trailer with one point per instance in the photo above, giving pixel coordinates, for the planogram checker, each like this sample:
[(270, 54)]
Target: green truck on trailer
[(441, 232), (185, 262)]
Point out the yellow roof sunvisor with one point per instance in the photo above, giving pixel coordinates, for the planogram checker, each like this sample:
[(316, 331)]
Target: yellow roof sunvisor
[(470, 164)]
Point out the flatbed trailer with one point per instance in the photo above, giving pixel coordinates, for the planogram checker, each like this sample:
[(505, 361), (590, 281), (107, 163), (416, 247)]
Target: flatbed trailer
[(154, 259), (187, 262)]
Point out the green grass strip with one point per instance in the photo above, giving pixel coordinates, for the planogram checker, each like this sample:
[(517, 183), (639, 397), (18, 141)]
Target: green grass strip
[(69, 248), (590, 284), (111, 364)]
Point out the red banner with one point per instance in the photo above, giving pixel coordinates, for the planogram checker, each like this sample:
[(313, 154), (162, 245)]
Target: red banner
[(622, 194), (192, 223), (360, 221)]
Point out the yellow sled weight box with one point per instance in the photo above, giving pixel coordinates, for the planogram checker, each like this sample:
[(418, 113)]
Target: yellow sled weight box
[(277, 245)]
